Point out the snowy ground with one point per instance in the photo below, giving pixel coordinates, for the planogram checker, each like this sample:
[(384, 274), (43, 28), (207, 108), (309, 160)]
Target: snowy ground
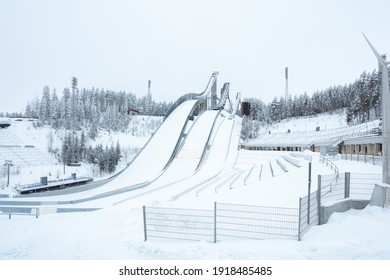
[(116, 232)]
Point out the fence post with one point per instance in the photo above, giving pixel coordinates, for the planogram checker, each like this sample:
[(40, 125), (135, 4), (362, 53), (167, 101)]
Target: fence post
[(319, 200), (299, 219), (308, 195), (145, 231), (347, 185), (215, 222)]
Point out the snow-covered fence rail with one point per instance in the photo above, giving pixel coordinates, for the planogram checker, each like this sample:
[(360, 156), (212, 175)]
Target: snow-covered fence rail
[(236, 178), (261, 171), (302, 155), (293, 161), (249, 174), (224, 182), (272, 170), (19, 211), (282, 165), (225, 222)]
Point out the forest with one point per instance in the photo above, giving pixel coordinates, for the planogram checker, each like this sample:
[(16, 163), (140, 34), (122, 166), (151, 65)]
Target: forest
[(361, 100), (83, 113)]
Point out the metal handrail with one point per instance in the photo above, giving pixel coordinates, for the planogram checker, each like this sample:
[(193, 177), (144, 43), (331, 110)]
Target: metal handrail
[(188, 96), (333, 183), (224, 97)]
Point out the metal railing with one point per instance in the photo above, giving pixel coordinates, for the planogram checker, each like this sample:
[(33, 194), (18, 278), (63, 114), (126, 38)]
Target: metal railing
[(234, 221), (308, 213), (224, 97), (183, 224), (375, 160), (334, 167), (224, 222), (189, 96), (21, 212)]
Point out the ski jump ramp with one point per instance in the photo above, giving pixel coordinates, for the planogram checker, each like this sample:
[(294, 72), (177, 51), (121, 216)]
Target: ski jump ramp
[(182, 152)]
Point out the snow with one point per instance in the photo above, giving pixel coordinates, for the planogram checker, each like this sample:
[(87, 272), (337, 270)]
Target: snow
[(116, 231)]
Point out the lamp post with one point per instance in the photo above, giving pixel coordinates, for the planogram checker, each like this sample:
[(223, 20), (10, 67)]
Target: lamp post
[(385, 94), (8, 163)]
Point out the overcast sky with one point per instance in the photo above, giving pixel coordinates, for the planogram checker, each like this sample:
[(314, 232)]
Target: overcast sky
[(120, 45)]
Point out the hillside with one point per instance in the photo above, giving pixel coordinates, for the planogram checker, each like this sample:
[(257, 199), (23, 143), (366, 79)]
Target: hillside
[(32, 143), (324, 121), (303, 132)]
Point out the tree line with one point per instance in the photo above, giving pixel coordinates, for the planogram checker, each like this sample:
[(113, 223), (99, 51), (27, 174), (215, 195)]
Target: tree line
[(361, 100), (91, 109), (83, 113)]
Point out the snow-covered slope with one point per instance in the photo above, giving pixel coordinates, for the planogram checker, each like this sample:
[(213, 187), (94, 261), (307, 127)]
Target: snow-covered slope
[(85, 235), (310, 130)]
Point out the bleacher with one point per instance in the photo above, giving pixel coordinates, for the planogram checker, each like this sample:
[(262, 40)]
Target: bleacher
[(305, 139), (12, 148)]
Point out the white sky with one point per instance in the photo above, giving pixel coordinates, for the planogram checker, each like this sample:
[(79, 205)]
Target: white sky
[(120, 45)]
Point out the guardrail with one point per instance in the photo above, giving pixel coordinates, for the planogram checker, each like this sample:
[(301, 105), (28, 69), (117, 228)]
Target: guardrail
[(282, 165), (249, 173), (22, 212), (301, 155), (261, 171), (272, 170), (293, 161)]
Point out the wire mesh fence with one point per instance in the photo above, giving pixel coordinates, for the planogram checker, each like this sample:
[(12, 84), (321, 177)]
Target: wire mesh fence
[(235, 221), (225, 222), (331, 189), (184, 224), (362, 185), (308, 213)]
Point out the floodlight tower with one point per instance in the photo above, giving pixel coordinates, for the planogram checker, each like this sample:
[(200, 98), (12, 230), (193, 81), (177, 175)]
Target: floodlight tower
[(286, 91), (8, 164), (385, 95), (149, 98)]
